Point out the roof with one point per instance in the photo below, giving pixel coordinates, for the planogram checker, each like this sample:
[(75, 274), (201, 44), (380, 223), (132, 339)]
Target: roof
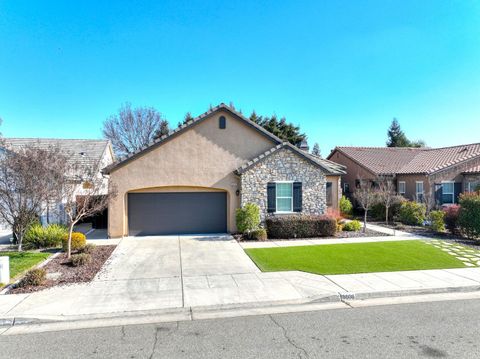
[(158, 142), (473, 169), (406, 160), (328, 166), (87, 152)]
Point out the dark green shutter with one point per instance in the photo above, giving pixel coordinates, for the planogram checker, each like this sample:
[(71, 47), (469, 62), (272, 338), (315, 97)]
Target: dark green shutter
[(297, 196), (271, 197), (457, 190)]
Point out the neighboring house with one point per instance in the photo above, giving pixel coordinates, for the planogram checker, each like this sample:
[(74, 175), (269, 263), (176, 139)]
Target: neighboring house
[(438, 175), (93, 155), (194, 179)]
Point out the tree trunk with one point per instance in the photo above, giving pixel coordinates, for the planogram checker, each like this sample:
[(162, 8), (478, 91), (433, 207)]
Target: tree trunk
[(19, 240), (365, 222), (69, 243), (386, 214)]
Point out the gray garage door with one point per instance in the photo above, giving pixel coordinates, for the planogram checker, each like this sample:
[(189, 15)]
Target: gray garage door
[(177, 212)]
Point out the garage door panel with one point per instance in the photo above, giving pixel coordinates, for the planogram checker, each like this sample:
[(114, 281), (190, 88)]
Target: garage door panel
[(177, 212)]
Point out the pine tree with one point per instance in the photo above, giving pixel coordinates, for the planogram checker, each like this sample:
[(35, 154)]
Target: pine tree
[(396, 137), (316, 150), (188, 117)]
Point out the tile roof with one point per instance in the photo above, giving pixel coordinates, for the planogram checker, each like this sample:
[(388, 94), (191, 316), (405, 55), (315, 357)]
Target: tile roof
[(88, 152), (328, 166), (389, 160), (474, 169)]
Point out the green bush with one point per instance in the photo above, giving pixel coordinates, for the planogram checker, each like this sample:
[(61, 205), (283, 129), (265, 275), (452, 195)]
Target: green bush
[(78, 241), (437, 221), (38, 236), (80, 259), (377, 211), (34, 277), (89, 248), (346, 207), (300, 226), (258, 234), (248, 218), (352, 226), (469, 215), (412, 213)]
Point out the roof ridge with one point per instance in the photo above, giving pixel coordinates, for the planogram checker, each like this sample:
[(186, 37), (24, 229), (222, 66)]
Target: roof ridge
[(57, 139)]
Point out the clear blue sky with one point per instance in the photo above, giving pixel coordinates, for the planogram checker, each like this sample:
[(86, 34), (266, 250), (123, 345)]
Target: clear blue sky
[(340, 69)]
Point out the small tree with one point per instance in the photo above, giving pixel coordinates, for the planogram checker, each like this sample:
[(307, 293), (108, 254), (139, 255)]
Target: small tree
[(386, 194), (366, 196), (132, 129), (29, 177)]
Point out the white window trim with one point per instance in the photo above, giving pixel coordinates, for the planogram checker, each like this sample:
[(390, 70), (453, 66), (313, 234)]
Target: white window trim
[(453, 192), (277, 197), (416, 189), (404, 187)]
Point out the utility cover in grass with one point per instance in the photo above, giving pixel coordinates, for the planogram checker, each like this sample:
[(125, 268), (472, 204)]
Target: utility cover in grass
[(354, 258)]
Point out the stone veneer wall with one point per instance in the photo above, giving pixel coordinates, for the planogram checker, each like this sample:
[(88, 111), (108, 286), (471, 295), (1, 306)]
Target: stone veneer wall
[(284, 165)]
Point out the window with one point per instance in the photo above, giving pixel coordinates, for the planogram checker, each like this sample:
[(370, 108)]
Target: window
[(419, 191), (329, 194), (346, 187), (222, 122), (284, 197), (473, 186), (448, 193), (401, 188)]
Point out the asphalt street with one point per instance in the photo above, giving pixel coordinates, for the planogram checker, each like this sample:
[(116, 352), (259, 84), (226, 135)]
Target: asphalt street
[(421, 330)]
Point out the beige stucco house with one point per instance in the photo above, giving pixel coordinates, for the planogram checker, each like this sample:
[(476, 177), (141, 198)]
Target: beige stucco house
[(193, 180)]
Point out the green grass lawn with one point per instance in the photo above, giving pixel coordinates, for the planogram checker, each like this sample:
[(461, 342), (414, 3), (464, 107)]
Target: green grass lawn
[(22, 261), (354, 258)]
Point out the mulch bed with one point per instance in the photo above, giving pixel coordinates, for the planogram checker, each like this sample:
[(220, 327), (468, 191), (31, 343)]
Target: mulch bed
[(68, 273)]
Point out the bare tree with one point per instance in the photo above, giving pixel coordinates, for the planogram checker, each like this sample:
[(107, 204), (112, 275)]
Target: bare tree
[(84, 193), (386, 194), (28, 178), (366, 196), (132, 129)]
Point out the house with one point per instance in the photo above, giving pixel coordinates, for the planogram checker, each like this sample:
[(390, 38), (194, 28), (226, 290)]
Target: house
[(194, 179), (438, 175), (91, 154)]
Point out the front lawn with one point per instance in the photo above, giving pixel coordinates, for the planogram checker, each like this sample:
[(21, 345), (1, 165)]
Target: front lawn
[(22, 261), (354, 258)]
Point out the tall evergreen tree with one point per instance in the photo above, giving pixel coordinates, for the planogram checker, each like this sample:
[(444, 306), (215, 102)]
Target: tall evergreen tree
[(280, 128), (396, 137), (188, 117), (316, 150)]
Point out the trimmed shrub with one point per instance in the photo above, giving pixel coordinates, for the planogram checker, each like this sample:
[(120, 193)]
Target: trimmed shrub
[(80, 259), (377, 212), (451, 217), (437, 221), (78, 241), (469, 215), (34, 277), (258, 234), (248, 218), (300, 226), (412, 213), (346, 207), (38, 236), (89, 248), (352, 226)]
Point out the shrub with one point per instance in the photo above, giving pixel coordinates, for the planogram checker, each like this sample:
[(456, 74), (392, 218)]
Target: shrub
[(300, 226), (34, 277), (469, 215), (258, 234), (38, 236), (346, 207), (412, 213), (89, 248), (248, 218), (377, 212), (437, 219), (80, 259), (78, 241), (352, 226), (451, 217)]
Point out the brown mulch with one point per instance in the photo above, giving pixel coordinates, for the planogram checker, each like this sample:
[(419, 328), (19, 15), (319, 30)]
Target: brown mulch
[(69, 273)]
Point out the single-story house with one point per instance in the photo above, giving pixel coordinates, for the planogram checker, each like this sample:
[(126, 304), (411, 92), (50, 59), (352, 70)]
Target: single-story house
[(194, 179), (438, 174), (92, 154)]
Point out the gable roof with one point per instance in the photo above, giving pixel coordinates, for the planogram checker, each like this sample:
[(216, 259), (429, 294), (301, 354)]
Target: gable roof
[(86, 152), (179, 130), (403, 160), (327, 166)]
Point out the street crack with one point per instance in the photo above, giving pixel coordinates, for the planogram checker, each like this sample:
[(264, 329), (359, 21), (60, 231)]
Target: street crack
[(290, 340)]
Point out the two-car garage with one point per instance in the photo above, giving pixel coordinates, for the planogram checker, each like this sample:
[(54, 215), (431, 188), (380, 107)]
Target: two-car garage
[(161, 213)]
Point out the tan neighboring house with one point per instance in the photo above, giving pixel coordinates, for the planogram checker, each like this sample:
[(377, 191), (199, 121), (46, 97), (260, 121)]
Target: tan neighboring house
[(436, 174), (194, 179)]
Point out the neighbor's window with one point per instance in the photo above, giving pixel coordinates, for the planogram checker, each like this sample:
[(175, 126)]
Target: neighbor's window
[(346, 187), (401, 187), (448, 193), (419, 190), (284, 196)]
